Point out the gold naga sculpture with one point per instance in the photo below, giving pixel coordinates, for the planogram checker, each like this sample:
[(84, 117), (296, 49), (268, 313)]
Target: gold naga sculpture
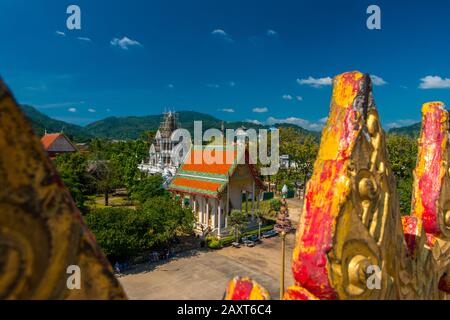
[(42, 233), (351, 228)]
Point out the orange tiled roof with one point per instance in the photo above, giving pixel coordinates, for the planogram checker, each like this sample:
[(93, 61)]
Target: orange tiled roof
[(210, 175), (49, 138), (196, 184), (210, 161)]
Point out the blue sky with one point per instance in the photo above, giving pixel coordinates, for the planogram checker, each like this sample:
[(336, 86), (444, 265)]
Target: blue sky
[(251, 57)]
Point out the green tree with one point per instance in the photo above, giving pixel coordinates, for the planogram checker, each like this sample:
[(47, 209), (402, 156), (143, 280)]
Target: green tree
[(125, 156), (302, 151), (106, 177), (402, 152), (168, 218), (123, 233), (148, 187), (72, 168), (237, 222)]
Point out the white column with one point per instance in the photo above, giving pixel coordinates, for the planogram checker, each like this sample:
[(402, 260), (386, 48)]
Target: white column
[(202, 211), (214, 213), (253, 197), (207, 212), (194, 209), (219, 212), (246, 201), (227, 205)]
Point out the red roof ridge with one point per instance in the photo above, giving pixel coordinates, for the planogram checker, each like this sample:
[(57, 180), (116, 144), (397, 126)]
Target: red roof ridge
[(48, 139)]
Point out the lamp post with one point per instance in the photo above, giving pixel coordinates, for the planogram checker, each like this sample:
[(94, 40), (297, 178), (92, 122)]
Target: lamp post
[(284, 191), (283, 226), (283, 250)]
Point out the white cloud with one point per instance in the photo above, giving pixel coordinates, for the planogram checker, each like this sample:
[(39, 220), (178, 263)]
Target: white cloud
[(377, 81), (231, 83), (38, 87), (260, 110), (434, 82), (257, 122), (401, 123), (289, 97), (271, 33), (212, 85), (229, 110), (72, 109), (84, 39), (220, 33), (315, 82), (92, 110), (60, 33), (171, 86), (315, 126), (124, 43), (108, 110)]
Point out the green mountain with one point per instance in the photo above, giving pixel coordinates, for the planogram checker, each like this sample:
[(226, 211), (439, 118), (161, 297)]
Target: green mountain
[(411, 131), (42, 122), (133, 127), (125, 128)]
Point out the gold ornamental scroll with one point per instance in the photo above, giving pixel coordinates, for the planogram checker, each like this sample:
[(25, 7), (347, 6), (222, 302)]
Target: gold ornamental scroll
[(42, 235)]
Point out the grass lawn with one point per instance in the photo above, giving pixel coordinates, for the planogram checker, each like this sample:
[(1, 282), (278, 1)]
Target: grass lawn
[(98, 202)]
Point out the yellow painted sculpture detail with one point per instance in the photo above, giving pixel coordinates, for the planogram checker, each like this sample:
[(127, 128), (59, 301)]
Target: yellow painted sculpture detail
[(352, 242), (41, 230)]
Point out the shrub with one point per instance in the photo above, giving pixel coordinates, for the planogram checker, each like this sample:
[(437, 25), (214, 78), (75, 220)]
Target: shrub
[(275, 205), (214, 244), (228, 240)]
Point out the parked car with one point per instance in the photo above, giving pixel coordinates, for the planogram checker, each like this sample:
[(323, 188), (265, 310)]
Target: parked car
[(254, 238), (269, 234), (249, 243), (236, 244)]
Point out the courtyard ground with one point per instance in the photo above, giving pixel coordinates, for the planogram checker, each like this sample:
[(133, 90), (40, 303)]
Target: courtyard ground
[(203, 274)]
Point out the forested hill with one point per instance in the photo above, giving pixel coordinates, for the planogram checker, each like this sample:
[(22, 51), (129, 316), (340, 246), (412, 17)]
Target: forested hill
[(42, 122), (411, 131), (128, 128)]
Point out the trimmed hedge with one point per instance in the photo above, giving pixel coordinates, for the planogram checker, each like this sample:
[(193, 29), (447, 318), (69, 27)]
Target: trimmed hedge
[(228, 240)]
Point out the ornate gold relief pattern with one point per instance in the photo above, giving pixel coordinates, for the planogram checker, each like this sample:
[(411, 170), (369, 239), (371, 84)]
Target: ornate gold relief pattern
[(41, 231), (351, 227)]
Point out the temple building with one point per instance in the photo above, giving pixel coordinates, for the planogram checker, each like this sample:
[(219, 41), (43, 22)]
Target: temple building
[(57, 143), (160, 161), (214, 189)]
